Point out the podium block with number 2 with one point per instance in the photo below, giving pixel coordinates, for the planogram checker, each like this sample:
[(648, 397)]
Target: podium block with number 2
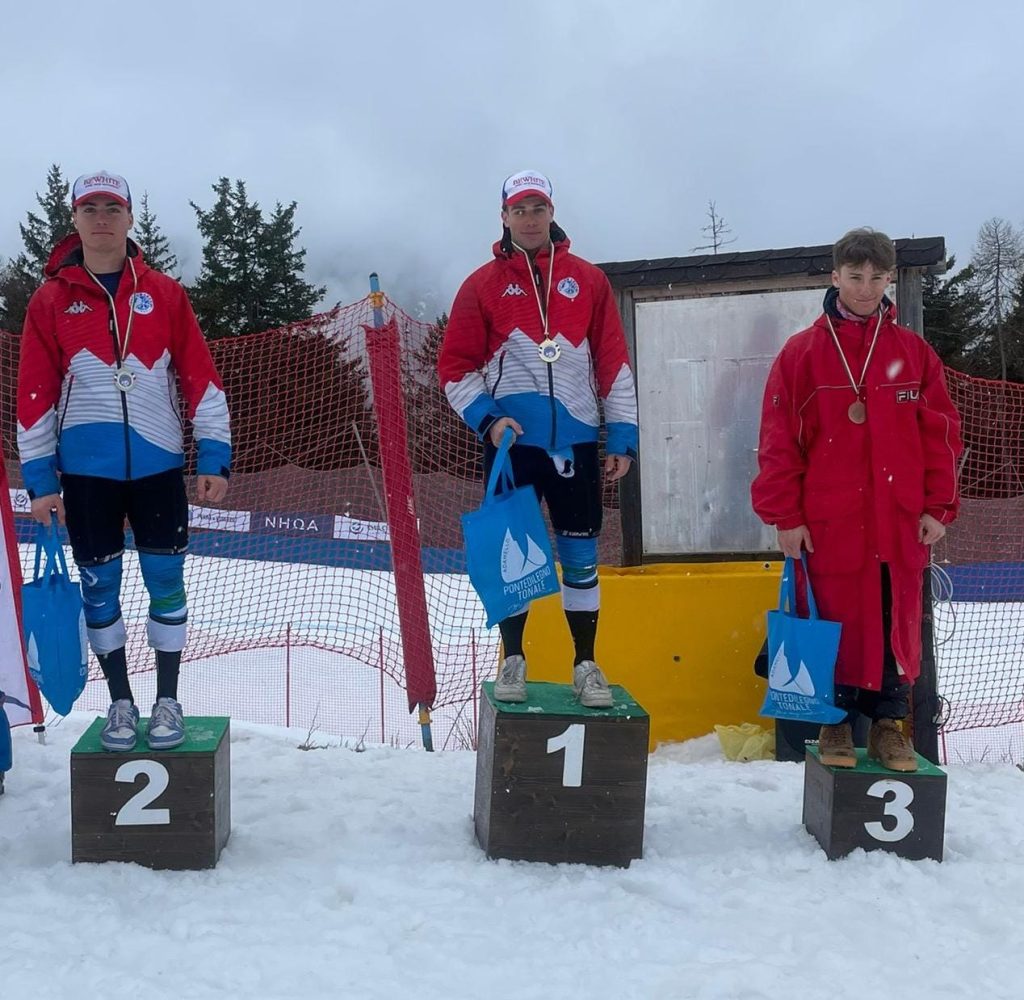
[(166, 809), (874, 808), (557, 782)]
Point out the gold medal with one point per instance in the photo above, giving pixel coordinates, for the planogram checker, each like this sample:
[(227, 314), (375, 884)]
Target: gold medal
[(548, 350), (857, 412)]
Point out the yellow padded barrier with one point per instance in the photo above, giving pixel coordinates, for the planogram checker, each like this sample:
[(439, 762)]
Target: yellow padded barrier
[(681, 637)]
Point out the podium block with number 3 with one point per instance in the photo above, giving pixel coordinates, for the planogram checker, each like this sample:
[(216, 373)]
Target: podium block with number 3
[(874, 808), (166, 809), (558, 782)]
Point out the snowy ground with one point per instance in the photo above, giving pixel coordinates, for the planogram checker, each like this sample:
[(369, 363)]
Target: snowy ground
[(356, 875)]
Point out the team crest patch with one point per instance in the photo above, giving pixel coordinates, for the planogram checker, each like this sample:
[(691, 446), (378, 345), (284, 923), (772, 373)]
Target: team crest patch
[(142, 303), (569, 288)]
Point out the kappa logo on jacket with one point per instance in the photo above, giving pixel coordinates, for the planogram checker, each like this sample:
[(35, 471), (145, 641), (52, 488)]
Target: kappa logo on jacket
[(77, 308), (513, 289)]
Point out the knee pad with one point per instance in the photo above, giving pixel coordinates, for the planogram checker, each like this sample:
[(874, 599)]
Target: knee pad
[(578, 556), (164, 576), (101, 598), (101, 592)]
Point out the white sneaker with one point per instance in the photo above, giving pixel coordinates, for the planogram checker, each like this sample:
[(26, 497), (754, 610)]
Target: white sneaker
[(166, 725), (590, 685), (119, 733), (511, 682)]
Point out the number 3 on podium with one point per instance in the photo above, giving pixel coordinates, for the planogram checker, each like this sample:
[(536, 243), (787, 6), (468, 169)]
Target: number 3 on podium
[(902, 795)]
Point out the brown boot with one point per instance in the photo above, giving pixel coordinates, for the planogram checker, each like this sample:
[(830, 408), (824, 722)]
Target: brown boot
[(888, 745), (835, 746)]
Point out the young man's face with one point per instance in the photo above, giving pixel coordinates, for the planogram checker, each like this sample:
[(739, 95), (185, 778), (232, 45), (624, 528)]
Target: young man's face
[(861, 287), (102, 224), (529, 221)]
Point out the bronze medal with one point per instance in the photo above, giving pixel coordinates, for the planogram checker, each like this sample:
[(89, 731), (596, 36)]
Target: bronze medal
[(857, 412)]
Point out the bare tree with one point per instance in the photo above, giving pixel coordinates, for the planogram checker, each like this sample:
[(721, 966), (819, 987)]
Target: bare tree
[(998, 261), (717, 230)]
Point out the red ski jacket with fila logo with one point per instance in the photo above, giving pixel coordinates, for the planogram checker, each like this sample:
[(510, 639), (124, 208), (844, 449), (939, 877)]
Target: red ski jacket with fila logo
[(78, 342), (490, 364), (860, 488)]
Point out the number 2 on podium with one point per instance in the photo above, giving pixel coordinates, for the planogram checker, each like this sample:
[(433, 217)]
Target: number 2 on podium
[(571, 741)]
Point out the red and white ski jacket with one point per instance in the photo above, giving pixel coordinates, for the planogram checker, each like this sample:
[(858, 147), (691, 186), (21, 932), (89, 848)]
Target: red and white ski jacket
[(860, 488), (490, 366), (71, 415)]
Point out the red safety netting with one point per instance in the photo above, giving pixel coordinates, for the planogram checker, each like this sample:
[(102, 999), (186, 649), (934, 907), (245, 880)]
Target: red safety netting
[(294, 616), (979, 583)]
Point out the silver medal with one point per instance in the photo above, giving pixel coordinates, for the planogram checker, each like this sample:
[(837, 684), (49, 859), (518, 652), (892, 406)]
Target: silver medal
[(124, 379), (548, 350)]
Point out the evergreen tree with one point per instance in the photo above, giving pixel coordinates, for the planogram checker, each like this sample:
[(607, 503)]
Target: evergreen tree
[(1015, 336), (998, 264), (954, 317), (40, 235), (439, 440), (154, 245), (251, 278), (22, 275), (284, 292)]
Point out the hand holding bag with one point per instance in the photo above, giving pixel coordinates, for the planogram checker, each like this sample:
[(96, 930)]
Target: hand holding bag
[(54, 626), (802, 658), (508, 554)]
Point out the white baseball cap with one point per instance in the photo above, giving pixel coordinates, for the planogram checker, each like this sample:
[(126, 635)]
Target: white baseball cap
[(102, 182), (525, 184)]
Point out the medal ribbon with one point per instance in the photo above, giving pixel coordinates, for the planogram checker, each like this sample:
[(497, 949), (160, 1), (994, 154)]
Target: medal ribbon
[(856, 386), (122, 346), (542, 306)]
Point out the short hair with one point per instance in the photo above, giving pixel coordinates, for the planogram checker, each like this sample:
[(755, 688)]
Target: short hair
[(865, 245)]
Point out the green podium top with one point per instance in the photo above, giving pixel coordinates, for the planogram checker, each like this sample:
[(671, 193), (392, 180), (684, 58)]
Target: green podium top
[(543, 698), (866, 766), (202, 735)]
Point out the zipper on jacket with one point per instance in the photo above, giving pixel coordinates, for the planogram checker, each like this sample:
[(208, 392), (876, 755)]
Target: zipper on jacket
[(67, 403), (539, 282), (124, 396), (497, 381)]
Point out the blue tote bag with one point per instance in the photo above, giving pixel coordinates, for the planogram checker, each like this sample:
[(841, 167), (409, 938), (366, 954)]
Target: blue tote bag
[(54, 626), (801, 657), (508, 555)]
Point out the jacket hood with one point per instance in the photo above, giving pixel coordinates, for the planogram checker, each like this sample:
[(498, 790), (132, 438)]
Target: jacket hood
[(504, 250), (831, 305), (68, 253)]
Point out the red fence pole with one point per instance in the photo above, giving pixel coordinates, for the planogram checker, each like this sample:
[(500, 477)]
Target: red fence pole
[(383, 349)]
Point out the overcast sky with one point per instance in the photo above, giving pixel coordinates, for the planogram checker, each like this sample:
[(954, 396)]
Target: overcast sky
[(392, 123)]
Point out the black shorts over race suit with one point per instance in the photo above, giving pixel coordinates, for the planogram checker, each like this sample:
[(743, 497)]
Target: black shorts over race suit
[(570, 486), (156, 508)]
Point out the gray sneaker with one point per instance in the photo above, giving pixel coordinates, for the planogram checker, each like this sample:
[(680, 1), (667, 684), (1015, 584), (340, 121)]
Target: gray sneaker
[(591, 686), (511, 682), (118, 735)]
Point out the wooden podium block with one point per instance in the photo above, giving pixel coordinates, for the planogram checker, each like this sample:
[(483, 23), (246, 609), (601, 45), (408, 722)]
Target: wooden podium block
[(558, 782), (872, 807), (161, 809)]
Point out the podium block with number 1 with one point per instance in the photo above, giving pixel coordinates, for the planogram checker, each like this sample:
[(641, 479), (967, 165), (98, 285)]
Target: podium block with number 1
[(558, 782)]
